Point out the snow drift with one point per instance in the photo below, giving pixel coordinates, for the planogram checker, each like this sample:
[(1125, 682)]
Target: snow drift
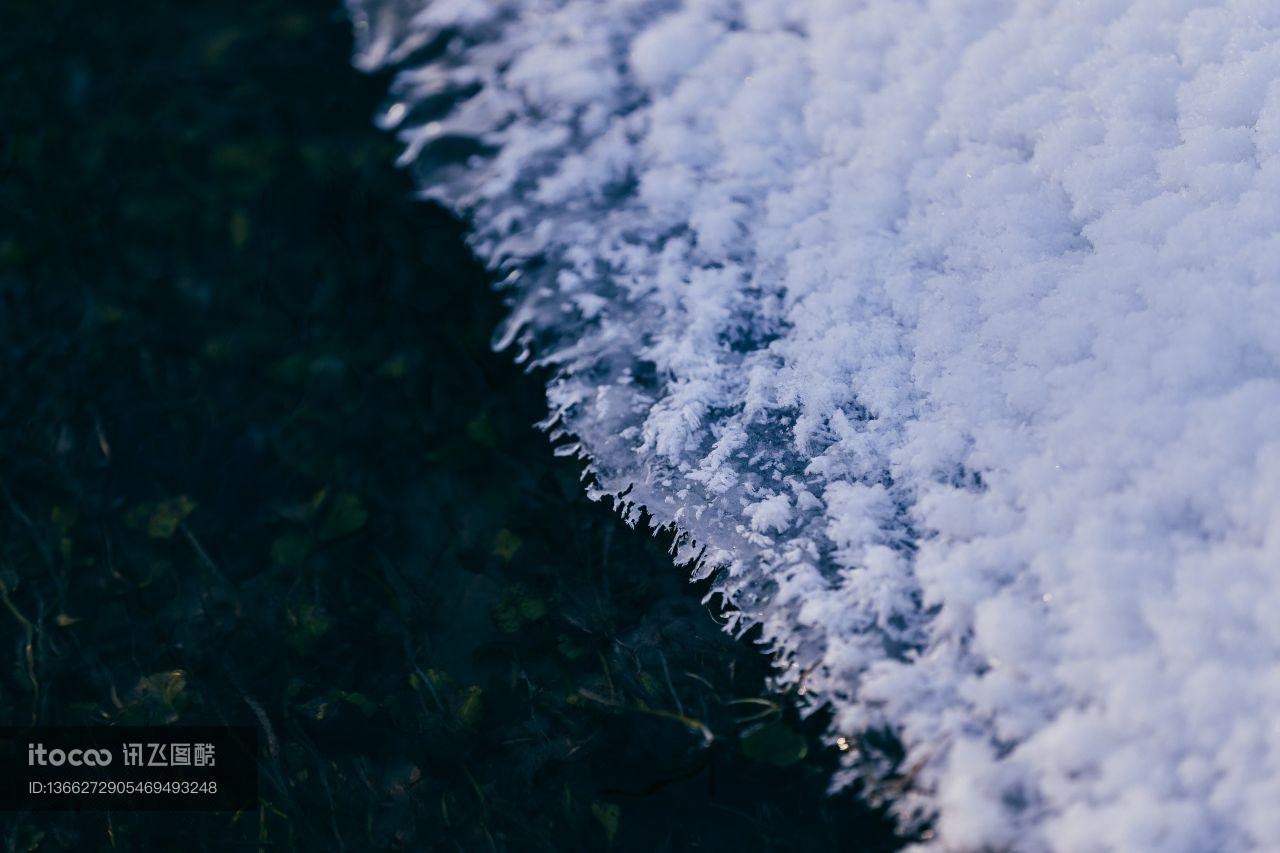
[(950, 329)]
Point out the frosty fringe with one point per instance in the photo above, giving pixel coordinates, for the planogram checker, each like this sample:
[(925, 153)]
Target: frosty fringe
[(951, 330)]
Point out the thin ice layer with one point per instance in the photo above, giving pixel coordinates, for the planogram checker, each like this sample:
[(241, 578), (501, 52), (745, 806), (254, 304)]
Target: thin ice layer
[(950, 329)]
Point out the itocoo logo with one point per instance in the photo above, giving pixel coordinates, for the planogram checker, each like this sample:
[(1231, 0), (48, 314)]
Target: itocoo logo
[(38, 755)]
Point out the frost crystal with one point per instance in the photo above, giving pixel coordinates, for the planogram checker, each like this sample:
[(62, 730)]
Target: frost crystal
[(950, 329)]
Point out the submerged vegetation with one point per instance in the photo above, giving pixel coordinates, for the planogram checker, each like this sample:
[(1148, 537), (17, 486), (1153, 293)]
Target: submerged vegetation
[(258, 465)]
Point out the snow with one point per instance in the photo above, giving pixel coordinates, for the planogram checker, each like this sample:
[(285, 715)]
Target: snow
[(950, 329)]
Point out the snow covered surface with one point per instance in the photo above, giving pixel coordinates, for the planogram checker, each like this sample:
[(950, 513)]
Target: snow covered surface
[(950, 329)]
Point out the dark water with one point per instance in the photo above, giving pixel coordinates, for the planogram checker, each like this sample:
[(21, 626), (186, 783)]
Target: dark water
[(258, 465)]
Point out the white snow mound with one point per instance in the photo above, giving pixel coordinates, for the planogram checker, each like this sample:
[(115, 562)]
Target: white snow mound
[(950, 329)]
